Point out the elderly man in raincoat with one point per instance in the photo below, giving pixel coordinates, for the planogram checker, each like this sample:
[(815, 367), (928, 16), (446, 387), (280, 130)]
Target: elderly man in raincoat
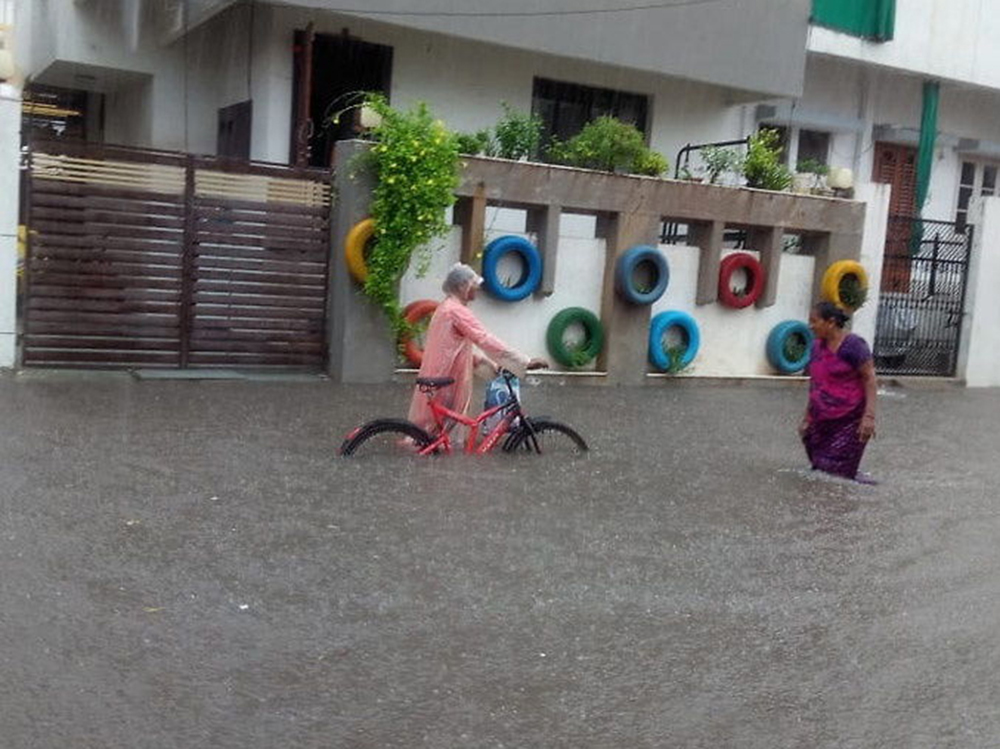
[(449, 349)]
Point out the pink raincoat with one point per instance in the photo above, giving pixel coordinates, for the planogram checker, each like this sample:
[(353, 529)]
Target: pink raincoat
[(448, 352)]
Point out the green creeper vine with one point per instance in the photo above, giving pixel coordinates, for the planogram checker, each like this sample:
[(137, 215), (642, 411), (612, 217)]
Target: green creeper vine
[(415, 160)]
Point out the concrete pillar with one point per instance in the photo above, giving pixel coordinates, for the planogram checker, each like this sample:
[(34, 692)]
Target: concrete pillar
[(360, 343), (876, 198), (767, 241), (979, 348), (707, 237), (544, 222), (470, 215), (626, 326), (10, 180)]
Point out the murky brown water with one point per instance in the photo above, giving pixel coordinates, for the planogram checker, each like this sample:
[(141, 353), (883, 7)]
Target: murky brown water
[(188, 564)]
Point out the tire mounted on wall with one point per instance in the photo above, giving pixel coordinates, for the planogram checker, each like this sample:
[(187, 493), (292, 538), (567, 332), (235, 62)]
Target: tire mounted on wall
[(501, 246), (354, 248), (659, 325), (755, 280), (778, 338), (835, 274), (414, 313), (625, 274), (592, 345)]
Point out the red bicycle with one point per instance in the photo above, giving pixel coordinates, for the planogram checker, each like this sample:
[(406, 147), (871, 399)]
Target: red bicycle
[(515, 430)]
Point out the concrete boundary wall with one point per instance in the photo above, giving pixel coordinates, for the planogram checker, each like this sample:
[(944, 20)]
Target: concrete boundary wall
[(979, 350), (629, 211)]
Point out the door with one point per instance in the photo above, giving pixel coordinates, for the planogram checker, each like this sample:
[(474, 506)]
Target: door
[(329, 71), (896, 165)]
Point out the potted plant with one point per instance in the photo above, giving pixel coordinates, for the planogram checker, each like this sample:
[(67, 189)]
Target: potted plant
[(720, 161), (809, 176), (762, 165)]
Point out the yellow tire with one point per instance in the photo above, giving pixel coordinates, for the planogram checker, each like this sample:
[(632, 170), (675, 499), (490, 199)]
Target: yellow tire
[(354, 248), (836, 273)]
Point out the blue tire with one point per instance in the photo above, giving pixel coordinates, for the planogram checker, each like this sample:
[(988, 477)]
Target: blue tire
[(532, 262), (777, 341), (658, 356), (625, 274)]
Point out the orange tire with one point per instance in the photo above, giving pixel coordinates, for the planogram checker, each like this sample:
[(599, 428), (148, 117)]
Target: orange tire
[(413, 313)]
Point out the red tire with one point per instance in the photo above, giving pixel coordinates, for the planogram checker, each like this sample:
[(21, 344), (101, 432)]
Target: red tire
[(755, 280), (413, 313)]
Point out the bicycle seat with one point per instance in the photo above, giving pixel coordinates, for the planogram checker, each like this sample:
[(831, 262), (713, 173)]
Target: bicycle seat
[(435, 382)]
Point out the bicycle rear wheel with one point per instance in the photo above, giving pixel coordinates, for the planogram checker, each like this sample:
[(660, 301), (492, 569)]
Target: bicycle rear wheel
[(546, 436), (386, 437)]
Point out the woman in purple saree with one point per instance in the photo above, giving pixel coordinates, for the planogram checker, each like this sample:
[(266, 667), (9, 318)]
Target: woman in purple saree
[(840, 416)]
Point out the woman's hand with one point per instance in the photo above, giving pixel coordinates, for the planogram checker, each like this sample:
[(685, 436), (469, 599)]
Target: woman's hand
[(804, 426), (537, 363), (867, 428)]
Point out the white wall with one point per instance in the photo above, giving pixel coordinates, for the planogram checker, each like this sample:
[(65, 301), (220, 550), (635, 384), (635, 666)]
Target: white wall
[(876, 199), (464, 82), (755, 46), (947, 39), (733, 341), (979, 354), (10, 140), (523, 324)]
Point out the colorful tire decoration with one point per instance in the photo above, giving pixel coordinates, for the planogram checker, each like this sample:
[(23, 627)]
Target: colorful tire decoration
[(789, 346), (575, 356), (528, 282), (650, 259), (662, 358), (414, 313), (354, 248), (755, 280), (834, 278)]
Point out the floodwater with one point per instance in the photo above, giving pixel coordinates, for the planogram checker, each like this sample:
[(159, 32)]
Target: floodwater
[(188, 564)]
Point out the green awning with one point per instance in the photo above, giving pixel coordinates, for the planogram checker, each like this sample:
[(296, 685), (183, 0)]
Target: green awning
[(871, 19), (928, 132)]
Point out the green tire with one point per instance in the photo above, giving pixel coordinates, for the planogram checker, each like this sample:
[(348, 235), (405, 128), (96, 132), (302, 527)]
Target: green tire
[(573, 357)]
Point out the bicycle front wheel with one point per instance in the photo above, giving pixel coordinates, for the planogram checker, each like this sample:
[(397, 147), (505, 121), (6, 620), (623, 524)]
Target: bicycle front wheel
[(545, 436), (386, 437)]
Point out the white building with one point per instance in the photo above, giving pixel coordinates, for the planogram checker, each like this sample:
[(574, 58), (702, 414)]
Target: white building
[(844, 80)]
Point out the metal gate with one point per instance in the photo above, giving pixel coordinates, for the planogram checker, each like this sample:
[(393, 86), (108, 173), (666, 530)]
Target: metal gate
[(141, 258), (924, 277)]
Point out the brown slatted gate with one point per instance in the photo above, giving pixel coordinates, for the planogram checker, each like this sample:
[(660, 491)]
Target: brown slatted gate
[(147, 259)]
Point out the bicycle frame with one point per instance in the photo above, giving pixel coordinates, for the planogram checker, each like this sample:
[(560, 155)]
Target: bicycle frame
[(442, 414)]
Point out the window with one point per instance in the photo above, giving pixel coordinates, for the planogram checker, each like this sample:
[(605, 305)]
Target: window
[(59, 113), (566, 107), (977, 180), (870, 19), (814, 145)]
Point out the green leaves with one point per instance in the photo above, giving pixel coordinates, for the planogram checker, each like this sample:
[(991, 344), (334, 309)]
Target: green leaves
[(416, 166), (762, 165), (610, 145)]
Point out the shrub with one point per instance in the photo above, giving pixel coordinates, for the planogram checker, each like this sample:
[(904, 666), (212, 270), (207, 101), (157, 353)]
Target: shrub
[(610, 145), (762, 165)]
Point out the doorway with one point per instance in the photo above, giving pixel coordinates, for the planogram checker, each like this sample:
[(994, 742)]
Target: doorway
[(327, 70)]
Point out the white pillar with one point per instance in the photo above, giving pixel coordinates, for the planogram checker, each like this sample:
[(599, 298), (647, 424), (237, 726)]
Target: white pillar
[(10, 180), (875, 196), (979, 351)]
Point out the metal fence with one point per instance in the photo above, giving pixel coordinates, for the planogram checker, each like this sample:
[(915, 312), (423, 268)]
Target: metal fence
[(923, 285)]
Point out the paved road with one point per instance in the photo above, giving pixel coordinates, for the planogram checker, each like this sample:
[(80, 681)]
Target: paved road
[(186, 564)]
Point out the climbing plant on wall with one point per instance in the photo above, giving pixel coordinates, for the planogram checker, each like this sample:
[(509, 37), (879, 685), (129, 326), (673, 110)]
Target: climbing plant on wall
[(415, 161)]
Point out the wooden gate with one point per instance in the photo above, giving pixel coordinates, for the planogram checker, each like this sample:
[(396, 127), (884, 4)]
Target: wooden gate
[(140, 258)]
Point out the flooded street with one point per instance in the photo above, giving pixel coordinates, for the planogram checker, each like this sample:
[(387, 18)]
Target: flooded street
[(188, 564)]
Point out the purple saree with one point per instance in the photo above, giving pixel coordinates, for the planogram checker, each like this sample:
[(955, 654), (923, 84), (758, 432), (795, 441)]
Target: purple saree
[(836, 405)]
